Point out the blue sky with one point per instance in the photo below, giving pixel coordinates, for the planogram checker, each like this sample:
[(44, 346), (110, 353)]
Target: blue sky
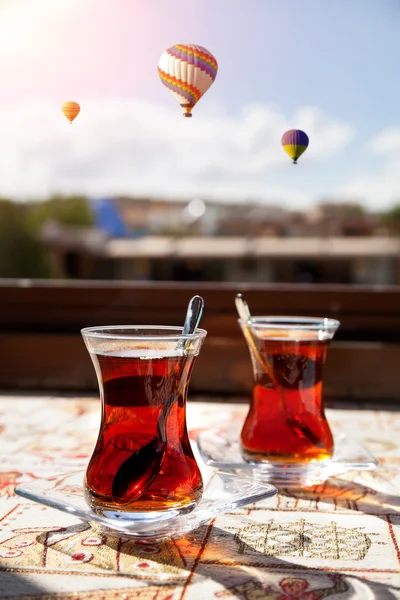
[(330, 68), (342, 55)]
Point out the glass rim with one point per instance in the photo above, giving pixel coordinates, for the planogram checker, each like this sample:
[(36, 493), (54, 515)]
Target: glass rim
[(291, 322), (106, 332)]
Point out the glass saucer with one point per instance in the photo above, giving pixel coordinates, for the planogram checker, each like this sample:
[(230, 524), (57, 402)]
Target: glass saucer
[(223, 492), (221, 449)]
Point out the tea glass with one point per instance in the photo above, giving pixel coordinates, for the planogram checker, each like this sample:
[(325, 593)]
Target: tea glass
[(286, 421), (143, 373)]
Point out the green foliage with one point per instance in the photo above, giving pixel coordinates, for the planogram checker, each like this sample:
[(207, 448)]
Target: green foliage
[(72, 211), (352, 209), (21, 252), (391, 219), (342, 210), (393, 215)]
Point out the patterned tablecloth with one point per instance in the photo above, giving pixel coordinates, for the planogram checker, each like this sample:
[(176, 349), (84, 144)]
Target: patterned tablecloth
[(340, 539)]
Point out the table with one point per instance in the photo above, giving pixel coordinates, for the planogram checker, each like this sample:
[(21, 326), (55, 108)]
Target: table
[(340, 539)]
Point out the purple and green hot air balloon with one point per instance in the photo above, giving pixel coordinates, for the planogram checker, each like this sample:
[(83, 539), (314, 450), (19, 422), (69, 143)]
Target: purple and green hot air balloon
[(294, 143)]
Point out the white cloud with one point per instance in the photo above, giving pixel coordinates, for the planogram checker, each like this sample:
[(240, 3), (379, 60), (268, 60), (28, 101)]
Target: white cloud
[(120, 146), (327, 136), (379, 188), (386, 142)]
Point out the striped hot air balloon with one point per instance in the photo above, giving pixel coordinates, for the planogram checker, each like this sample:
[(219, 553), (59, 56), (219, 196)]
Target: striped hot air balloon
[(187, 71), (70, 110), (295, 142)]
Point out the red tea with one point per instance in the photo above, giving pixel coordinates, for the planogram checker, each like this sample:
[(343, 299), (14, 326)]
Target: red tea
[(286, 420), (135, 386)]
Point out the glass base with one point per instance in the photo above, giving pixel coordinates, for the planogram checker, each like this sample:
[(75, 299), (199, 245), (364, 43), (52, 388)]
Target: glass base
[(222, 492), (127, 513), (221, 449), (145, 517), (259, 458)]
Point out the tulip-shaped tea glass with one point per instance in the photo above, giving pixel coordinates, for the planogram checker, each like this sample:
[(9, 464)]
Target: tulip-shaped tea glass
[(286, 420), (143, 462)]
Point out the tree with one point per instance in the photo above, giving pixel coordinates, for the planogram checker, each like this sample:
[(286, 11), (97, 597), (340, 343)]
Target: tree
[(21, 252), (342, 210), (393, 214), (391, 218), (72, 211)]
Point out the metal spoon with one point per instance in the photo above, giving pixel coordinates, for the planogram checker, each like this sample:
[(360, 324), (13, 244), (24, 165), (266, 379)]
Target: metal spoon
[(244, 313), (140, 469)]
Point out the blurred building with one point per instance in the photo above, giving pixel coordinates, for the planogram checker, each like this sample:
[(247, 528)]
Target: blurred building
[(259, 259), (147, 239), (148, 216), (198, 217)]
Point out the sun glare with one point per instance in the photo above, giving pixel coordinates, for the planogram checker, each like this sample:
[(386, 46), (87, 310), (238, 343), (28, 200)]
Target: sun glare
[(22, 23)]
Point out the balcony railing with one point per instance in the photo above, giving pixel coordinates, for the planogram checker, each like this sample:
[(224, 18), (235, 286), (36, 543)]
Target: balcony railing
[(41, 347)]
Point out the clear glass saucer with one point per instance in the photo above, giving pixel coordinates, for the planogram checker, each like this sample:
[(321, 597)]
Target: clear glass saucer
[(221, 449), (223, 492)]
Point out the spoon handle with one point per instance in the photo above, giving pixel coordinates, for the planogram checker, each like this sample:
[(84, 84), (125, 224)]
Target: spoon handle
[(192, 320)]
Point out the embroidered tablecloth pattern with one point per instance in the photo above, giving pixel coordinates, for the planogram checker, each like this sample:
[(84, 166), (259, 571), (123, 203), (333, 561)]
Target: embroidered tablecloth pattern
[(339, 540)]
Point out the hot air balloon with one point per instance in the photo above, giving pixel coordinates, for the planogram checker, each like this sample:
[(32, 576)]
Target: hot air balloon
[(71, 110), (295, 142), (187, 71)]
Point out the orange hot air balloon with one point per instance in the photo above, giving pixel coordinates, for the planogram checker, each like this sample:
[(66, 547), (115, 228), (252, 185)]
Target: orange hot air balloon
[(71, 110)]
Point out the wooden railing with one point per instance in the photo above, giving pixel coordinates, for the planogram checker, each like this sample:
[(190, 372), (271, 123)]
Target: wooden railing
[(41, 347)]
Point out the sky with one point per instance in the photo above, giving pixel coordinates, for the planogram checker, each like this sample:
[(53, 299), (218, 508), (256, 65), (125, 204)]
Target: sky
[(329, 68)]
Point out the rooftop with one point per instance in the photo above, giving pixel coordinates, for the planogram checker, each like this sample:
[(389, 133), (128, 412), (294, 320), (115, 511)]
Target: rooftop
[(231, 247)]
